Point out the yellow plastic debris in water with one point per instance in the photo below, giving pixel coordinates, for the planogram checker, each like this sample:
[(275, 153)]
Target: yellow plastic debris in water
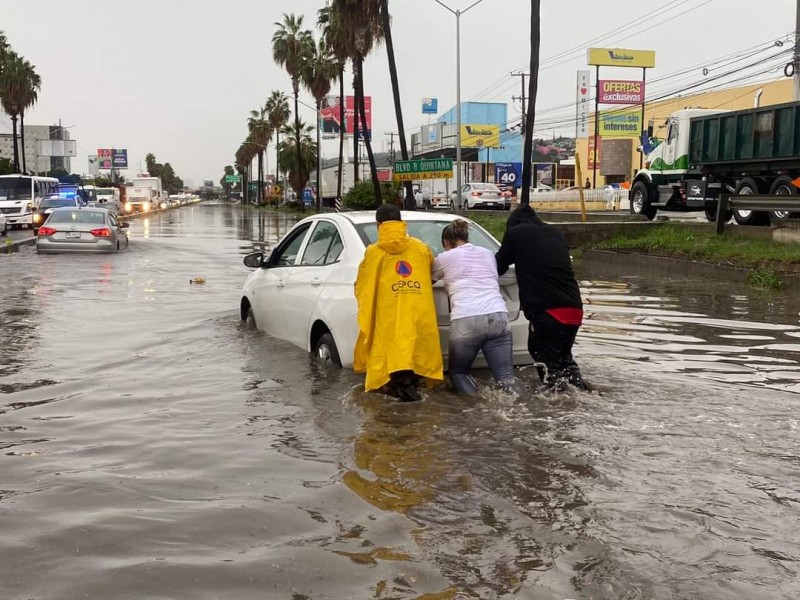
[(198, 280), (8, 241)]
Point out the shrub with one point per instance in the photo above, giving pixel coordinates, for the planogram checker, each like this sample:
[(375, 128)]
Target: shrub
[(362, 197)]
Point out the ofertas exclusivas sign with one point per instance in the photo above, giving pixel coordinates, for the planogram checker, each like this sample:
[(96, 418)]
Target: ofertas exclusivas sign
[(616, 91)]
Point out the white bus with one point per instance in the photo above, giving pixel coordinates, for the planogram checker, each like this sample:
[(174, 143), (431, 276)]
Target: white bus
[(20, 195)]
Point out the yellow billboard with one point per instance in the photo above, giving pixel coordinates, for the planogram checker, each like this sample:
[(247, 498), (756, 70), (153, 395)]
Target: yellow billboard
[(620, 123), (621, 57), (480, 136)]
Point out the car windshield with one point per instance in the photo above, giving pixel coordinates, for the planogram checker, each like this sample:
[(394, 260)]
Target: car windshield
[(12, 188), (430, 232), (56, 202), (104, 192), (77, 216)]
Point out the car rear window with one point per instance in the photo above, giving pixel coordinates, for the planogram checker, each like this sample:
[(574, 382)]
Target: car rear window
[(57, 202), (77, 216), (430, 232), (488, 187)]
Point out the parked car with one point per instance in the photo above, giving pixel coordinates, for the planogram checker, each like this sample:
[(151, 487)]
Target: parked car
[(481, 195), (302, 292), (46, 206), (3, 224), (79, 229), (422, 197)]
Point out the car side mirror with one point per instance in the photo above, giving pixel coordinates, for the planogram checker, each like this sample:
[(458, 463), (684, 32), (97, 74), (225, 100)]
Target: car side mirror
[(255, 260), (124, 224)]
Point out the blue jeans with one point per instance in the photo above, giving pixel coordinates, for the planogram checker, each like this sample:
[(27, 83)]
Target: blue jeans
[(489, 334)]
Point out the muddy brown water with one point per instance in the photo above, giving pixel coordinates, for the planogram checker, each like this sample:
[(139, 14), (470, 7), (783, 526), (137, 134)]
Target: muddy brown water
[(153, 447)]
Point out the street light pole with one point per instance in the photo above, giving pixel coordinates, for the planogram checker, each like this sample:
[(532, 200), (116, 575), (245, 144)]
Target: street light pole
[(458, 14)]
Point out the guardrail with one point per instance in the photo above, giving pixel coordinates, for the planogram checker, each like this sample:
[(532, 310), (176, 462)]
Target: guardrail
[(612, 198), (728, 202)]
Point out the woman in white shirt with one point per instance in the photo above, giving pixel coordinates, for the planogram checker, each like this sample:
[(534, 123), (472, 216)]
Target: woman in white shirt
[(478, 313)]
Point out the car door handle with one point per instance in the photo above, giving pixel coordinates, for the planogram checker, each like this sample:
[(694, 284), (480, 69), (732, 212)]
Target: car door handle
[(280, 283), (315, 281)]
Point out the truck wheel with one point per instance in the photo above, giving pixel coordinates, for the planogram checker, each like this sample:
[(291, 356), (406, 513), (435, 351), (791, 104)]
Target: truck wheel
[(711, 214), (640, 201), (783, 186), (748, 187)]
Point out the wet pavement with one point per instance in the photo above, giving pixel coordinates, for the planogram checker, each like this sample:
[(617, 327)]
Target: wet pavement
[(154, 447)]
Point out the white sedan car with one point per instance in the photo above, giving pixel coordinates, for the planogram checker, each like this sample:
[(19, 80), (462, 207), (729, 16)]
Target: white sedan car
[(302, 292), (481, 195)]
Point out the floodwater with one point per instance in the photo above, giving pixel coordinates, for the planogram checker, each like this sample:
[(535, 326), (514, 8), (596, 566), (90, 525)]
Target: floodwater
[(154, 447)]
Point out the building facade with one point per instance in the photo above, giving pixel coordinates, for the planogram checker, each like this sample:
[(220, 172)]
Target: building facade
[(35, 162)]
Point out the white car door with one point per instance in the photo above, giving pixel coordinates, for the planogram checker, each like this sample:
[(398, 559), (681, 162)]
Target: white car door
[(305, 282), (267, 290)]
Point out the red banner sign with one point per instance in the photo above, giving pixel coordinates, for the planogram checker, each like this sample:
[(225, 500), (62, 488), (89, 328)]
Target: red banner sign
[(616, 91), (330, 116)]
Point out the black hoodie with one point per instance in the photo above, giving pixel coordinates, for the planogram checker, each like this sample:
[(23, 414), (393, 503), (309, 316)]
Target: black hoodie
[(544, 268)]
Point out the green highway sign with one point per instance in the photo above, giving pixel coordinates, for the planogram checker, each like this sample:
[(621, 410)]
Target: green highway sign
[(232, 179), (412, 170)]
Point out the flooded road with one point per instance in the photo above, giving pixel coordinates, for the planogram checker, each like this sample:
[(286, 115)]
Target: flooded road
[(154, 447)]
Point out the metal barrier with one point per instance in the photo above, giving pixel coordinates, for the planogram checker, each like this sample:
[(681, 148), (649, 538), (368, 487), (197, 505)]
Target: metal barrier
[(728, 202), (613, 199)]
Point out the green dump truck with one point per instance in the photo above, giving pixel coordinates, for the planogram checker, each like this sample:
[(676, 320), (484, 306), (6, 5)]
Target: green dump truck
[(708, 152)]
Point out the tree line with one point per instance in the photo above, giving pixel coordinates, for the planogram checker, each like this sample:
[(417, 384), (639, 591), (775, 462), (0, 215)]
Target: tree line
[(349, 31), (19, 91)]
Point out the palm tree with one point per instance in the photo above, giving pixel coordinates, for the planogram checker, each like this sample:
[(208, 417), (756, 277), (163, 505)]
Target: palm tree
[(291, 45), (12, 85), (319, 70), (298, 161), (532, 90), (386, 26), (278, 110), (244, 159), (362, 26), (29, 94), (260, 136), (334, 34)]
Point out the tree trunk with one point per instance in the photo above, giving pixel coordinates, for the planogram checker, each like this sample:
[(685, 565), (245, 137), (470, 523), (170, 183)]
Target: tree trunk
[(14, 141), (260, 190), (277, 165), (296, 88), (22, 140), (409, 203), (356, 174), (533, 84), (319, 161), (341, 134), (373, 170)]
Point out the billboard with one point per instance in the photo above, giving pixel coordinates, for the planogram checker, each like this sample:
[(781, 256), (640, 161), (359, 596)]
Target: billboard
[(57, 148), (621, 57), (617, 91), (430, 106), (330, 116), (582, 104), (545, 173), (594, 153), (104, 155), (508, 174), (113, 158), (620, 123), (480, 136), (94, 165)]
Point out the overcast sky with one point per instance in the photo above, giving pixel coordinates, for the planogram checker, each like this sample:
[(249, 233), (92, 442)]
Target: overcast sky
[(178, 77)]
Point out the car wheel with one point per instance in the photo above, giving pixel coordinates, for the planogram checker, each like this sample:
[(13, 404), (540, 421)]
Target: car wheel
[(640, 201), (326, 350), (251, 319)]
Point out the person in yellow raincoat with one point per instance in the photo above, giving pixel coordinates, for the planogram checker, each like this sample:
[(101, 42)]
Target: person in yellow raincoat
[(398, 338)]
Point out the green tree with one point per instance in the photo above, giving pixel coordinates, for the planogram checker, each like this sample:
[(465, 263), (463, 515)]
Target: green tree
[(319, 70), (244, 158), (278, 110), (260, 135), (228, 170), (362, 31), (298, 162), (6, 166), (291, 45), (335, 36), (12, 95)]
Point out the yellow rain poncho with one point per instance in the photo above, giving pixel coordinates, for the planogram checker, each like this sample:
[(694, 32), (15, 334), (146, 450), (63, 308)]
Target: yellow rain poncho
[(396, 313)]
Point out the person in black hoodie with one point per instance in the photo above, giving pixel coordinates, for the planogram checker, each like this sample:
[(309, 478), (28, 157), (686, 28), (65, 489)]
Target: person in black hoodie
[(549, 293)]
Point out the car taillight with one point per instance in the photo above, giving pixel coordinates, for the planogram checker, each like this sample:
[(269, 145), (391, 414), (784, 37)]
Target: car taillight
[(44, 231), (476, 193), (102, 232)]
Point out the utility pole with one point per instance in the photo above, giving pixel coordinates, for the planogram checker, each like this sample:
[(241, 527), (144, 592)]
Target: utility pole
[(796, 63), (523, 98)]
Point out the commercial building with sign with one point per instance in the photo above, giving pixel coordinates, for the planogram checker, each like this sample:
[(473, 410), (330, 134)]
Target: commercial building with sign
[(36, 161), (618, 157)]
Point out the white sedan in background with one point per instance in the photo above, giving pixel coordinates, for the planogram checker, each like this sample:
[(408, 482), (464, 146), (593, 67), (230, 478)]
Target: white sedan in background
[(302, 292)]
